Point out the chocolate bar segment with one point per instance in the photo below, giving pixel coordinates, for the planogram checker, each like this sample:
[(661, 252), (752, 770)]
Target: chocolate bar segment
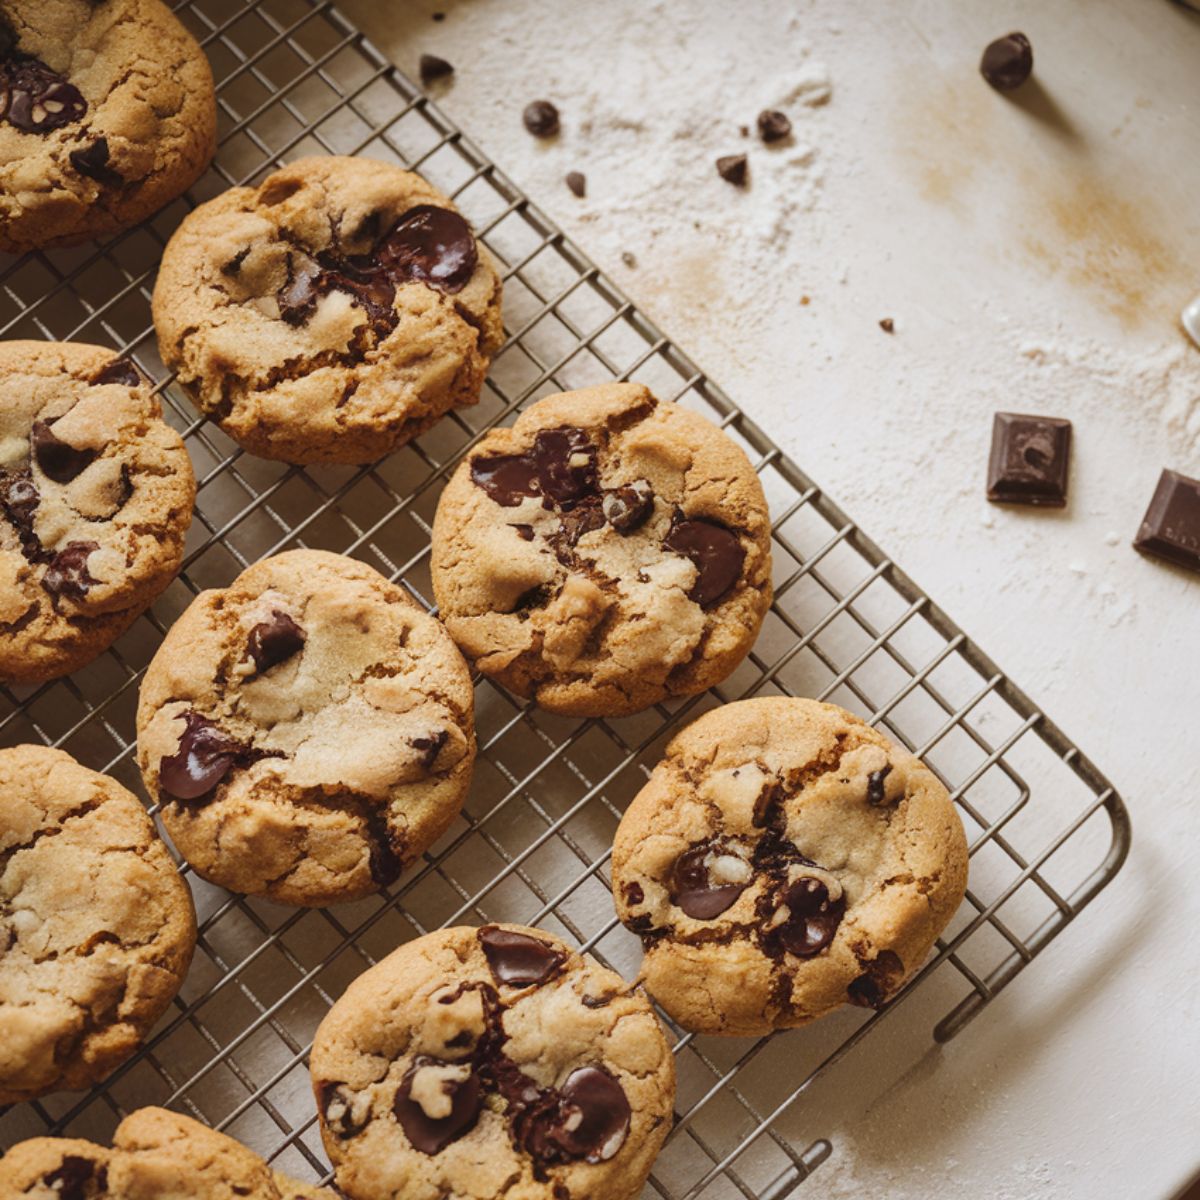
[(1030, 459), (1171, 526)]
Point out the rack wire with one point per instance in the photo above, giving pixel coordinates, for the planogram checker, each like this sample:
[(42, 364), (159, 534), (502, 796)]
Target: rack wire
[(1046, 830)]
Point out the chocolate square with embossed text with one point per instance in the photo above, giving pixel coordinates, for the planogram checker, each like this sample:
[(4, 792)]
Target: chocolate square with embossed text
[(1029, 461), (1171, 527)]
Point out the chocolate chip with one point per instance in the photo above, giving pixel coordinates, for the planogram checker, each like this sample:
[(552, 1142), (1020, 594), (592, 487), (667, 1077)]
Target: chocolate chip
[(585, 517), (1171, 527), (577, 182), (773, 126), (516, 959), (524, 532), (432, 1135), (876, 796), (206, 754), (1029, 461), (601, 1001), (67, 573), (433, 68), (874, 985), (35, 99), (1007, 62), (716, 552), (92, 161), (589, 1121), (541, 118), (430, 747), (534, 597), (298, 297), (634, 894), (234, 266), (275, 641), (432, 245), (57, 460), (628, 507), (383, 861), (566, 464), (813, 918), (507, 478), (337, 1109), (70, 1181), (119, 370), (19, 498), (887, 325), (732, 168), (694, 891), (8, 38)]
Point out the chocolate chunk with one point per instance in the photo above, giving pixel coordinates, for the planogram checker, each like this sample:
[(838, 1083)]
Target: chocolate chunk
[(432, 1135), (541, 118), (92, 161), (433, 68), (233, 267), (577, 182), (535, 597), (813, 918), (430, 747), (628, 508), (694, 891), (875, 984), (773, 126), (732, 168), (432, 245), (337, 1108), (205, 756), (516, 959), (121, 370), (716, 552), (57, 460), (1029, 460), (589, 1121), (35, 99), (298, 297), (507, 478), (524, 532), (875, 793), (585, 517), (383, 861), (70, 1181), (274, 641), (67, 573), (887, 325), (566, 464), (634, 893), (19, 498), (8, 38), (601, 1001), (1007, 62), (1171, 527)]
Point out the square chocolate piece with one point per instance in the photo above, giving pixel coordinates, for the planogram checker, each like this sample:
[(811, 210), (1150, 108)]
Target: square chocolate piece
[(1171, 526), (1029, 461)]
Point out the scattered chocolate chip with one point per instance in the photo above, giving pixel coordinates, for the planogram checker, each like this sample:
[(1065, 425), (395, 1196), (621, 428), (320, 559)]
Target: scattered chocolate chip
[(92, 161), (57, 460), (67, 573), (887, 325), (433, 68), (516, 959), (275, 641), (1007, 62), (876, 796), (879, 978), (1171, 527), (813, 918), (577, 182), (430, 244), (773, 126), (119, 370), (732, 168), (431, 1135), (716, 552), (1029, 460), (70, 1180), (694, 889), (337, 1108), (541, 118), (589, 1121), (430, 747), (628, 508), (35, 99), (205, 756)]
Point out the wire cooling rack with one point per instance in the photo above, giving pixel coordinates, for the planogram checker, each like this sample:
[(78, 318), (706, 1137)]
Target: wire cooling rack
[(1046, 830)]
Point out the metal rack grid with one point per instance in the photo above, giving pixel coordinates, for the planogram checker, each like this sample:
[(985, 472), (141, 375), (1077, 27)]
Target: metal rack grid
[(1046, 830)]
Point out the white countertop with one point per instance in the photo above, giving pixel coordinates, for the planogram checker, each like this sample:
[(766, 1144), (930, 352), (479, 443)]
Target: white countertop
[(1035, 257)]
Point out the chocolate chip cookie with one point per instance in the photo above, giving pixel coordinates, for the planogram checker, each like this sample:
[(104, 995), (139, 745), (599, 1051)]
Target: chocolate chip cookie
[(96, 926), (475, 1063), (331, 314), (307, 730), (784, 859), (107, 113), (96, 495), (155, 1153), (607, 552)]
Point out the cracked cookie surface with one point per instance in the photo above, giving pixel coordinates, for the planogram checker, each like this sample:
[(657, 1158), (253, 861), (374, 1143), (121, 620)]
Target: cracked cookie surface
[(155, 1153), (607, 552), (492, 1064), (308, 730), (331, 314), (107, 113), (784, 859), (96, 495), (96, 926)]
